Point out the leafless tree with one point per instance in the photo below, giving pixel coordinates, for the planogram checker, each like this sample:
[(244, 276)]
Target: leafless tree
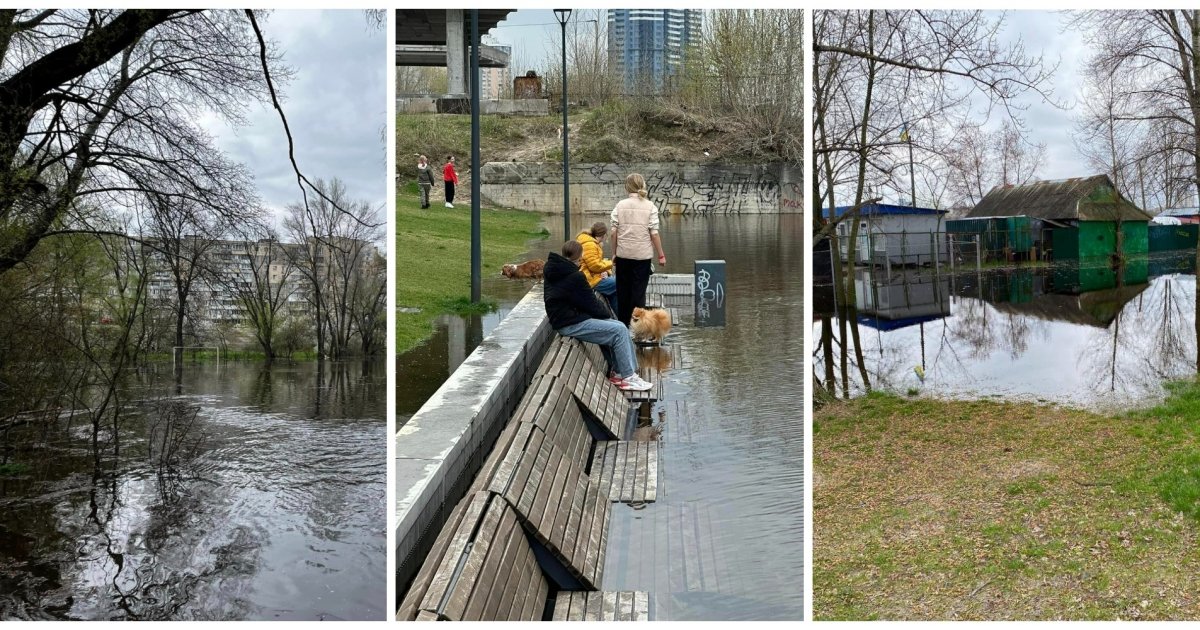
[(265, 292), (99, 106), (334, 236), (879, 77)]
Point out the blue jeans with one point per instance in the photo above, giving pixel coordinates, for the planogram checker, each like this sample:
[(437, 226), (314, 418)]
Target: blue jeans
[(613, 338), (608, 288)]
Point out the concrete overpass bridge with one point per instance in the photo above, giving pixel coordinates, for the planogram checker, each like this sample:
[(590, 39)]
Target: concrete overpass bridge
[(437, 37)]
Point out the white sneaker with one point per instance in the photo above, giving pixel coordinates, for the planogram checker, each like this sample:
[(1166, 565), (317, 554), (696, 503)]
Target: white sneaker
[(449, 205), (635, 383)]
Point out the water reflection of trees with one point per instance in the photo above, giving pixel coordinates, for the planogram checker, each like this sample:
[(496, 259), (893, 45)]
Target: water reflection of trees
[(1150, 341), (1134, 338)]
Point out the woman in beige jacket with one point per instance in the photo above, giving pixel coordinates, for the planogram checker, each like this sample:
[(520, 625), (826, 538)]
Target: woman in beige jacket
[(635, 239)]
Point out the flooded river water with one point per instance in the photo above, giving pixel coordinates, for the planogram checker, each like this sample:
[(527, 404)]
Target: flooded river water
[(730, 427), (270, 507), (1094, 337)]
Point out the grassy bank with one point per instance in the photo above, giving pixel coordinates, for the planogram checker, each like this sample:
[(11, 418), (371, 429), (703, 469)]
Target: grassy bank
[(927, 509), (618, 132), (433, 264)]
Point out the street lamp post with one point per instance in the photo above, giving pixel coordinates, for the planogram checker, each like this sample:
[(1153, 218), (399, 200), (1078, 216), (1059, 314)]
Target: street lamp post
[(563, 15)]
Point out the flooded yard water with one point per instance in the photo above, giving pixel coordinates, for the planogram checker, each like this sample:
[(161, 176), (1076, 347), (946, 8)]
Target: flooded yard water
[(724, 539), (231, 491), (1097, 337)]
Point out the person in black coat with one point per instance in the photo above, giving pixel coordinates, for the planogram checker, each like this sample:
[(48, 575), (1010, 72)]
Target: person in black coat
[(575, 311)]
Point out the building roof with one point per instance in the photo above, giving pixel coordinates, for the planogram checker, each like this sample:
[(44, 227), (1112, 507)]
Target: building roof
[(878, 209), (1092, 198), (1180, 212)]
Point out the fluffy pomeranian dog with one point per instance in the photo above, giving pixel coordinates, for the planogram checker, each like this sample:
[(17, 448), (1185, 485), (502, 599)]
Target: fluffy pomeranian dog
[(650, 324), (527, 269)]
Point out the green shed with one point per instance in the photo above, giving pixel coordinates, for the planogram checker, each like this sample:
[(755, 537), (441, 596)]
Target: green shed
[(1085, 214)]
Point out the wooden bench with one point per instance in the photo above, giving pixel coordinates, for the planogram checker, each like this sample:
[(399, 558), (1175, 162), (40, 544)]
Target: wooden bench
[(562, 507), (551, 407), (627, 470), (602, 606), (575, 365), (481, 567)]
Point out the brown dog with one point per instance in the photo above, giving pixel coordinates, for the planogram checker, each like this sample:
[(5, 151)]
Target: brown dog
[(650, 324), (527, 269)]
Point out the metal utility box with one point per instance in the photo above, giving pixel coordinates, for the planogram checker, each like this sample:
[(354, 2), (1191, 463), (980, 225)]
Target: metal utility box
[(710, 292)]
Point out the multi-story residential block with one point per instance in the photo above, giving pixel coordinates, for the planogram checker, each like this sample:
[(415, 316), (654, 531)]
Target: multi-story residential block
[(649, 46), (493, 81)]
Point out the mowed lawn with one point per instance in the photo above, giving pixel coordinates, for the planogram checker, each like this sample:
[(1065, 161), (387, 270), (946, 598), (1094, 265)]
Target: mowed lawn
[(433, 258), (928, 509)]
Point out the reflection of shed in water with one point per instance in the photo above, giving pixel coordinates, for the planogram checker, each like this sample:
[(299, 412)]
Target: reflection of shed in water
[(1079, 218), (903, 300), (1094, 308), (1084, 277)]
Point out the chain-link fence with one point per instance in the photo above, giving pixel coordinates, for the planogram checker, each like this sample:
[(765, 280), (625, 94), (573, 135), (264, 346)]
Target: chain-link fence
[(942, 248)]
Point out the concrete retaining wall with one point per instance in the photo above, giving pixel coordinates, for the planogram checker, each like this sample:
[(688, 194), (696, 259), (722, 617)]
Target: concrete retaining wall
[(688, 188), (440, 449), (512, 107)]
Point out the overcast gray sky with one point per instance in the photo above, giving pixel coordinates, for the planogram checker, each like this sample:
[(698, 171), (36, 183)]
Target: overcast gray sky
[(336, 106), (536, 37), (1043, 31)]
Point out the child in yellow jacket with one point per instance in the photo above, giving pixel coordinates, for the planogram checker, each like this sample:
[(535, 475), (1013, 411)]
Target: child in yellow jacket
[(597, 269)]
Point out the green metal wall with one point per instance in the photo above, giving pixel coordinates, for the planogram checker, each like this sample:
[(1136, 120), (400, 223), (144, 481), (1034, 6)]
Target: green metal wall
[(1098, 239), (1166, 238), (997, 233)]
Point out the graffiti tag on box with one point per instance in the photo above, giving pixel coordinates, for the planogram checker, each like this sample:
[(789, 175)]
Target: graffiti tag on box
[(710, 294)]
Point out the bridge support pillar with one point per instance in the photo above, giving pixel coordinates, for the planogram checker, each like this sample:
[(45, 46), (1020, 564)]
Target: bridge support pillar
[(456, 53)]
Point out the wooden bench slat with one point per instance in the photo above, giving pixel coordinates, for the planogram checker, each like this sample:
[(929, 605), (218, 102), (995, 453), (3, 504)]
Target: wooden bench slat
[(490, 578), (625, 606), (411, 605), (541, 458), (641, 606), (551, 505), (561, 607), (440, 583), (508, 465), (461, 590), (652, 473), (527, 457), (562, 509), (631, 463), (425, 615), (609, 608), (540, 510), (595, 605), (578, 605), (595, 549), (535, 600), (584, 539), (511, 560), (639, 482)]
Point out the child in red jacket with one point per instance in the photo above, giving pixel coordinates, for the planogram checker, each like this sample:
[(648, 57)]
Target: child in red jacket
[(450, 176)]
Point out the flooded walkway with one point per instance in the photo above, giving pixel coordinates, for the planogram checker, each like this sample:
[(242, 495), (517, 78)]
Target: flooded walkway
[(724, 537)]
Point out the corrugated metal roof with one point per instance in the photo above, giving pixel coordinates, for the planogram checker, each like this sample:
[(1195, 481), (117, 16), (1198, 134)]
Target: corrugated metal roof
[(1092, 198), (875, 209), (1180, 212)]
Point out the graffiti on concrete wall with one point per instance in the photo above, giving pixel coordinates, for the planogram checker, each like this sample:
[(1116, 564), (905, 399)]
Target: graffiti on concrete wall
[(674, 187), (792, 197), (728, 192)]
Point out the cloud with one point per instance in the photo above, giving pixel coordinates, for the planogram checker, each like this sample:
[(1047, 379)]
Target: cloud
[(336, 106)]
